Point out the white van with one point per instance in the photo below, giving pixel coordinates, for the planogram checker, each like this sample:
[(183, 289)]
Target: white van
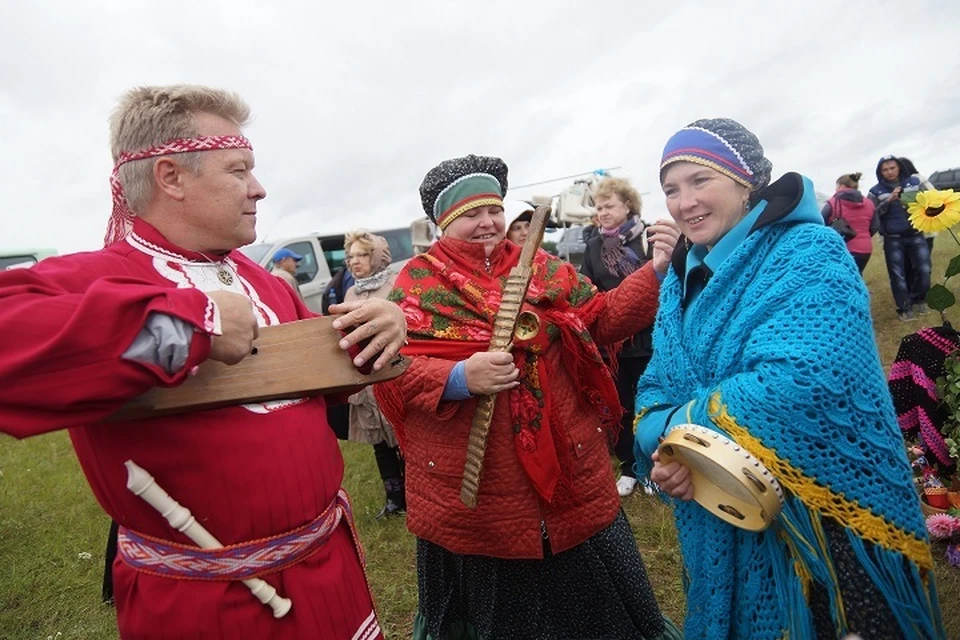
[(23, 259), (322, 256)]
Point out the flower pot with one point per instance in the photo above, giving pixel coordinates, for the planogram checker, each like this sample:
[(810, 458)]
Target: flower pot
[(953, 497), (937, 497), (924, 506)]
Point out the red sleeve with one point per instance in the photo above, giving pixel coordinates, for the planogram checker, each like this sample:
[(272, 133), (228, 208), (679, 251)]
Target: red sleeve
[(64, 335), (423, 384), (630, 308), (418, 390), (303, 311)]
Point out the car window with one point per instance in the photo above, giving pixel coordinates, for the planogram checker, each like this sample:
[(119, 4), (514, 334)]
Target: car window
[(573, 235), (401, 243), (17, 262), (307, 268), (333, 252), (945, 179), (255, 252)]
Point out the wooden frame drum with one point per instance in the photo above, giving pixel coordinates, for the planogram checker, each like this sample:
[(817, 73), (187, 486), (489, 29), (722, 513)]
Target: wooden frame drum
[(289, 360), (727, 480)]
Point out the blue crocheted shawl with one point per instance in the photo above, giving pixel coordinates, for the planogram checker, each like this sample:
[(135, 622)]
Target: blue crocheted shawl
[(778, 353)]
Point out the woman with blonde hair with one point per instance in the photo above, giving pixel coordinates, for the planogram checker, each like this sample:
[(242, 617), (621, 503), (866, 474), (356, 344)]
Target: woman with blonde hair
[(368, 259), (617, 249)]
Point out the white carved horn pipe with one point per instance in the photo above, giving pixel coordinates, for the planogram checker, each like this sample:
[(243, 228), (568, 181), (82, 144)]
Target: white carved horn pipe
[(142, 484)]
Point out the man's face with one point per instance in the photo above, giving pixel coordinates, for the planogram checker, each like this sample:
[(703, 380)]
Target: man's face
[(220, 202), (890, 170), (289, 265)]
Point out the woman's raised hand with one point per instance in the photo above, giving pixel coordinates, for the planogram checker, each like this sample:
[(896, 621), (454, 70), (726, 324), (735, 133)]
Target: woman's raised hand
[(663, 235)]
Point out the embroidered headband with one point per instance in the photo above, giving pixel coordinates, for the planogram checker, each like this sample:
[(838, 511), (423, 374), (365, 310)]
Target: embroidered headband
[(121, 218)]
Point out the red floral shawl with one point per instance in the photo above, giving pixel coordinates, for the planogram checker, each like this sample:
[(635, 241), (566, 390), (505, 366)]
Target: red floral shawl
[(450, 296)]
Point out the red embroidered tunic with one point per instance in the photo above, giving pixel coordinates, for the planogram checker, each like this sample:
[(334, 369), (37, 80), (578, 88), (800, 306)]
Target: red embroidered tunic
[(246, 472)]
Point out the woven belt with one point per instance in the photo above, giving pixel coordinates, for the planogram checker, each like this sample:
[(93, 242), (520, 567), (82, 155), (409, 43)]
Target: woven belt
[(237, 561)]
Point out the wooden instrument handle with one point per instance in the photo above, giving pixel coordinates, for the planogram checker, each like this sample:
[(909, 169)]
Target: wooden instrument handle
[(504, 325)]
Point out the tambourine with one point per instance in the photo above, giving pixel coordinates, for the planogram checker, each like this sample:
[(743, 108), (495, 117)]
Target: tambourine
[(727, 481)]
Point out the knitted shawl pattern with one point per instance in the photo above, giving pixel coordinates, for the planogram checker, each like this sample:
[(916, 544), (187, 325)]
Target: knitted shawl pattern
[(778, 353)]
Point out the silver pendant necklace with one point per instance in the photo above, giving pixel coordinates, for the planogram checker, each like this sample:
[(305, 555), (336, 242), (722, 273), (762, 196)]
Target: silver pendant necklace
[(223, 274)]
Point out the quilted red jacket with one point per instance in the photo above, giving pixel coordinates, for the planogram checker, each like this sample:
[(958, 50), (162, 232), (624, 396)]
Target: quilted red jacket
[(506, 522)]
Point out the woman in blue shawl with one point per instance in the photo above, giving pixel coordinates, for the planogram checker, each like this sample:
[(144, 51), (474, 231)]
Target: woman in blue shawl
[(764, 334)]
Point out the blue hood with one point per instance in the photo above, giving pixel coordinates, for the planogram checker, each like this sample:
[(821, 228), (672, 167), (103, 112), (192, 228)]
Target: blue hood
[(904, 174), (789, 199)]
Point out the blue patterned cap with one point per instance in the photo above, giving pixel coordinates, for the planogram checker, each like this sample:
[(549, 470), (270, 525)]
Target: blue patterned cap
[(724, 145)]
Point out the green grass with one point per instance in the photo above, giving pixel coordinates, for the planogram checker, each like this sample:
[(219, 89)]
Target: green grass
[(48, 517)]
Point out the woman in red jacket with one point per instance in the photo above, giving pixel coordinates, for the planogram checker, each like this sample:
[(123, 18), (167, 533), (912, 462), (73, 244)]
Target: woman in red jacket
[(859, 213), (547, 552)]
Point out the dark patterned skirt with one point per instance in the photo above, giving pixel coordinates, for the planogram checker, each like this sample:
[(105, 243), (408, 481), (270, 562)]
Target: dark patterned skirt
[(867, 612), (597, 590)]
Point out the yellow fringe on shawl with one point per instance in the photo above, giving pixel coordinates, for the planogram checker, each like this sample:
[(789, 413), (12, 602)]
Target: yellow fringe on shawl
[(803, 573), (828, 561), (862, 521)]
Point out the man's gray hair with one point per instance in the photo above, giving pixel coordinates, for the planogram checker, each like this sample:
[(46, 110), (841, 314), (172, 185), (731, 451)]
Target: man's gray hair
[(148, 116)]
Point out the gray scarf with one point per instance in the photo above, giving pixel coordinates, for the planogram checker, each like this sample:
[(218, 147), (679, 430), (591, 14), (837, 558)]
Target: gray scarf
[(373, 282)]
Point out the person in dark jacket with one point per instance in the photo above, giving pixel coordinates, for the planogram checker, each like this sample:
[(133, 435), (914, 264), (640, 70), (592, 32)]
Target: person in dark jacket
[(902, 243), (336, 288), (617, 249), (910, 169), (590, 230), (338, 415)]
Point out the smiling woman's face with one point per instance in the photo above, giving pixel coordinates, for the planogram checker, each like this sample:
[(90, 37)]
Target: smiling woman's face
[(704, 203), (482, 225)]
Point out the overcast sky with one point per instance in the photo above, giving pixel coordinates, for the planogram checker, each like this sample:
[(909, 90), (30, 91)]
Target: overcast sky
[(355, 101)]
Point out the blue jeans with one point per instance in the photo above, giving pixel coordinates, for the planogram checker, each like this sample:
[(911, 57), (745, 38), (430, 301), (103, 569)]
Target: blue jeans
[(899, 252)]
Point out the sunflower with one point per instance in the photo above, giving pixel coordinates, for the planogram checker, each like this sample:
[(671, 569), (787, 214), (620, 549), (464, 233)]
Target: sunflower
[(935, 210)]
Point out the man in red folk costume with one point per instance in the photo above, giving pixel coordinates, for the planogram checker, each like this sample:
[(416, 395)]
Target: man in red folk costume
[(85, 333)]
